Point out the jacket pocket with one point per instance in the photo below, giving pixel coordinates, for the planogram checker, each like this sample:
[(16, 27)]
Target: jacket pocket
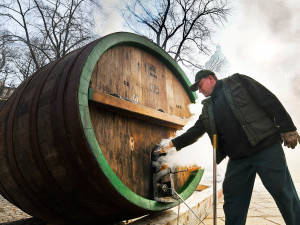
[(256, 115), (239, 96)]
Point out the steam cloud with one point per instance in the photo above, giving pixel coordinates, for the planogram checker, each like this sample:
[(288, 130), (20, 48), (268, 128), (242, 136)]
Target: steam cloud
[(263, 41), (109, 19), (199, 153)]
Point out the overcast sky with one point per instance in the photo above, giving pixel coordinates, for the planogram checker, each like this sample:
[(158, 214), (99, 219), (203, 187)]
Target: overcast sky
[(262, 40)]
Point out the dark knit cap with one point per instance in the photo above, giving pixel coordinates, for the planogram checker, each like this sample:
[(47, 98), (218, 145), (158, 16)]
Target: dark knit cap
[(201, 74)]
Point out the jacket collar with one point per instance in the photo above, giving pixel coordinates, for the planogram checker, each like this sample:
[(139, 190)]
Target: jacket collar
[(216, 89)]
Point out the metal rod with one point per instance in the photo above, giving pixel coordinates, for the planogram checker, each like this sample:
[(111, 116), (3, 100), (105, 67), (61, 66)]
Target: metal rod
[(188, 169), (179, 171), (187, 205), (214, 179)]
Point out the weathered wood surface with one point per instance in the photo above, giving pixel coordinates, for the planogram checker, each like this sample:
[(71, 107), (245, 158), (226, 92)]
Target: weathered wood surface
[(135, 75)]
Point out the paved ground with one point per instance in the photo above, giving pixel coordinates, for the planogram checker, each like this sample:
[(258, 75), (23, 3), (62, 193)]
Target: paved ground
[(9, 212), (262, 211)]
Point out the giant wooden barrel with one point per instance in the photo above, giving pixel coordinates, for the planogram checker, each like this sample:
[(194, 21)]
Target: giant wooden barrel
[(76, 137)]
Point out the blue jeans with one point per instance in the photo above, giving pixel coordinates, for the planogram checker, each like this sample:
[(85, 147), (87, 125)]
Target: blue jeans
[(270, 165)]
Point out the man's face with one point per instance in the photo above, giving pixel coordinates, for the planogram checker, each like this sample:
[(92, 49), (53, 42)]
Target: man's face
[(206, 85)]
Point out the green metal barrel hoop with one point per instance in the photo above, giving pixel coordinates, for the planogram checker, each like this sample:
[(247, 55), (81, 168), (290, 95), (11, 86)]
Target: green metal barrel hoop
[(106, 43)]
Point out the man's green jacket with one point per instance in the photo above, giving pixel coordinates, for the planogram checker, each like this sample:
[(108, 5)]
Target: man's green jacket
[(259, 120)]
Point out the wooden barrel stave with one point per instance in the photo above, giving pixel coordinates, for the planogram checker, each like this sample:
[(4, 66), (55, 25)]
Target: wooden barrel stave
[(51, 147), (16, 187)]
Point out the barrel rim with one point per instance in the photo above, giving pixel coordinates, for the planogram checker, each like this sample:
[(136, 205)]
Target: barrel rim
[(104, 44)]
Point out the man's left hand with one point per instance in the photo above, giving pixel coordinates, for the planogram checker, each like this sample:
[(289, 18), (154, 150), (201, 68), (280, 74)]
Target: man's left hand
[(290, 139)]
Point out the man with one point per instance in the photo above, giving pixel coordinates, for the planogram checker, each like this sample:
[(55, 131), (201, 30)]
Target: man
[(250, 123)]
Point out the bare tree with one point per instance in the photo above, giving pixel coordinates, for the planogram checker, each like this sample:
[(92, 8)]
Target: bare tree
[(45, 30), (183, 28)]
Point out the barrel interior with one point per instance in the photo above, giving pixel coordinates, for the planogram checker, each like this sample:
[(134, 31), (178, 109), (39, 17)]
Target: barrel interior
[(143, 80)]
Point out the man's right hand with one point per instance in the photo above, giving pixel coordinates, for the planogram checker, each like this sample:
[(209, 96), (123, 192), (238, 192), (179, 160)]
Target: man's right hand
[(164, 149)]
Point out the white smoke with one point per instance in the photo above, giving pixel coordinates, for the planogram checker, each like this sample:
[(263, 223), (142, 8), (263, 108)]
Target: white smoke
[(200, 153), (109, 18)]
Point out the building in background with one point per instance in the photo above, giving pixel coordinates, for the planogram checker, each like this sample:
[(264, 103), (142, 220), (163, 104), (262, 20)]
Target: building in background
[(218, 63), (5, 92)]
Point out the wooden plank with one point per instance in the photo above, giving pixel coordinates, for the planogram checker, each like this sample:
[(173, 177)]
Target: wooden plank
[(136, 110)]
